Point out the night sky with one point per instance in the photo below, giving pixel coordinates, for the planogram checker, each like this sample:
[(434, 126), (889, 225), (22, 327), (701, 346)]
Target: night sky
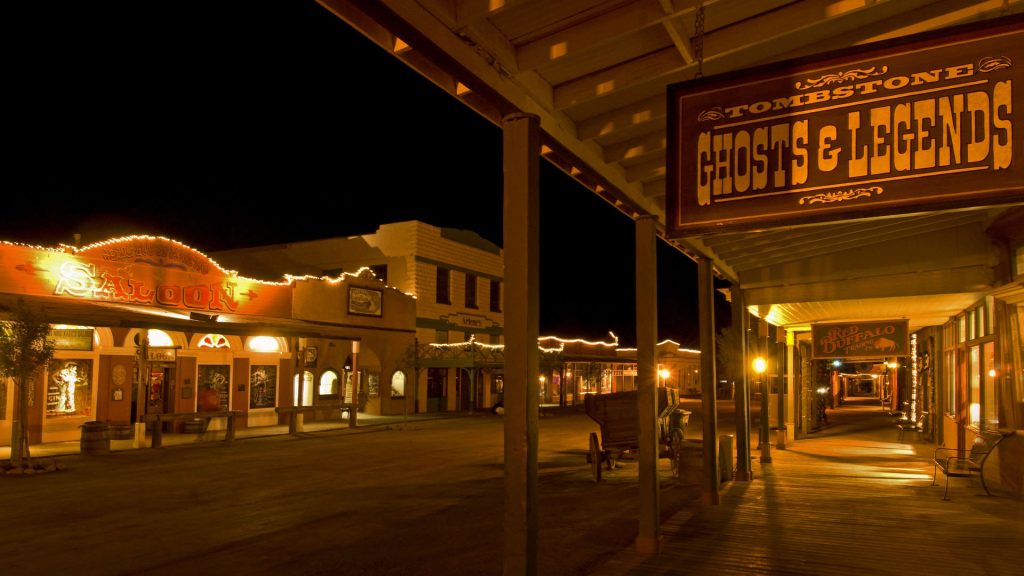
[(228, 124)]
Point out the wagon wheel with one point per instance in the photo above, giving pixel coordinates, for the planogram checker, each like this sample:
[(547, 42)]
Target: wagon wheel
[(676, 457)]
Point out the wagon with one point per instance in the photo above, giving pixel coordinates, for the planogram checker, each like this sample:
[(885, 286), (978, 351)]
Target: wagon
[(617, 416)]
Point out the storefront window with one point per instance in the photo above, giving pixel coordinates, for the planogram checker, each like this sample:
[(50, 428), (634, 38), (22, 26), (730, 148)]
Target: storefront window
[(949, 373), (373, 384), (328, 384), (990, 393), (1017, 350), (305, 393), (974, 413)]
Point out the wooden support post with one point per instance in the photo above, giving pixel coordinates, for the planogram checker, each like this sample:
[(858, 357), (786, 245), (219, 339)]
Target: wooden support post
[(706, 299), (521, 160), (784, 367), (352, 413), (741, 397), (229, 436), (648, 539), (158, 433)]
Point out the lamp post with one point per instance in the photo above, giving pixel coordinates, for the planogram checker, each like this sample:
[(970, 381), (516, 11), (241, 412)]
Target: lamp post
[(760, 365)]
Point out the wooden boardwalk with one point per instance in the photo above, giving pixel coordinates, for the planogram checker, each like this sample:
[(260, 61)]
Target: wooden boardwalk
[(852, 501)]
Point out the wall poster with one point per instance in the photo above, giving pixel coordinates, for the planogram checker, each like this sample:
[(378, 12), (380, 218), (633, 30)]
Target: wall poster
[(214, 387), (69, 388), (262, 386)]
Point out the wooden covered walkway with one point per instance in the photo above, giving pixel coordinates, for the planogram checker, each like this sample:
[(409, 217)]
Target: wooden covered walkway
[(852, 501)]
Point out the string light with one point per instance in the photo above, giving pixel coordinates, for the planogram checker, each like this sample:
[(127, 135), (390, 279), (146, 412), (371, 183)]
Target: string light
[(679, 347), (913, 378), (468, 343), (288, 279)]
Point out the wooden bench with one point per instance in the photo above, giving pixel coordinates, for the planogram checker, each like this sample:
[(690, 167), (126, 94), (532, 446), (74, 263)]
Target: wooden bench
[(905, 424), (159, 419), (296, 414), (962, 464)]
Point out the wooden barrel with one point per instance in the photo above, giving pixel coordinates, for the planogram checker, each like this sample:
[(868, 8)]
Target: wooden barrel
[(95, 438)]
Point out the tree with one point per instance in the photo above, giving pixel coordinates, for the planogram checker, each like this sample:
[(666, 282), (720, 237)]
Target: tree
[(24, 349)]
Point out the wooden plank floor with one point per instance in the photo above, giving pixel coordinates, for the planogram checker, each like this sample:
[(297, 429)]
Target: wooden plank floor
[(851, 501)]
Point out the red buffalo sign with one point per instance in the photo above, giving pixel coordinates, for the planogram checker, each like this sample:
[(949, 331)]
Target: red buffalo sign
[(861, 339)]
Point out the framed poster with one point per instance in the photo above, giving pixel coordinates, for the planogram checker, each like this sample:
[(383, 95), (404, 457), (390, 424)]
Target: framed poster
[(365, 301), (68, 388), (214, 387), (262, 386)]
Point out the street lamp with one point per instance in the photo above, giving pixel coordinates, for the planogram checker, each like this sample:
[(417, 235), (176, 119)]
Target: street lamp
[(760, 366), (664, 373)]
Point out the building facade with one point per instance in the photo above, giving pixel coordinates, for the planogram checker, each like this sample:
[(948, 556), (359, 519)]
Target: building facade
[(455, 275), (203, 339)]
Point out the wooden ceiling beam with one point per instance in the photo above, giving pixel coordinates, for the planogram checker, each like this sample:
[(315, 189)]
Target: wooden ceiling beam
[(646, 171), (608, 28), (932, 17), (655, 188), (732, 48), (650, 111), (650, 143), (469, 12), (828, 245), (680, 37)]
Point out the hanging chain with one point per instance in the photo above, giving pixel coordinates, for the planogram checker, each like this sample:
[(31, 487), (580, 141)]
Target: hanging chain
[(698, 40)]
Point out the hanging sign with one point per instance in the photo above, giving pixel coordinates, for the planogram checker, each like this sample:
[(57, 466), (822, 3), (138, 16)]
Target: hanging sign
[(860, 339), (935, 121), (71, 338)]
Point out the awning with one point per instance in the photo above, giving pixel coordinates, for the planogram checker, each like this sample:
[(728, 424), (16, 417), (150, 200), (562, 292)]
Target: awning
[(109, 314)]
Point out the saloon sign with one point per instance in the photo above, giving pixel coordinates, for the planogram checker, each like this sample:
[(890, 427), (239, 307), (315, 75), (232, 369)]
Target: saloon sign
[(860, 339), (936, 121), (139, 270)]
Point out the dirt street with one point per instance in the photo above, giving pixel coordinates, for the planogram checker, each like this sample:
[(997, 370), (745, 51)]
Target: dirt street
[(427, 499)]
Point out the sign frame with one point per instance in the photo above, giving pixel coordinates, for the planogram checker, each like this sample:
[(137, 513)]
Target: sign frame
[(711, 111), (867, 340)]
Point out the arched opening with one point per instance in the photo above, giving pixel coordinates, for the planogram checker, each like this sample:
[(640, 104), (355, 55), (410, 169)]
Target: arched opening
[(304, 393)]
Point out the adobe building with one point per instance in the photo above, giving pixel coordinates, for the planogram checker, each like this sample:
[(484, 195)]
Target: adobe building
[(204, 338), (455, 275)]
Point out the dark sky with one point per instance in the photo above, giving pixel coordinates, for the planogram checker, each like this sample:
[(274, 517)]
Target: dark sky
[(226, 124)]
